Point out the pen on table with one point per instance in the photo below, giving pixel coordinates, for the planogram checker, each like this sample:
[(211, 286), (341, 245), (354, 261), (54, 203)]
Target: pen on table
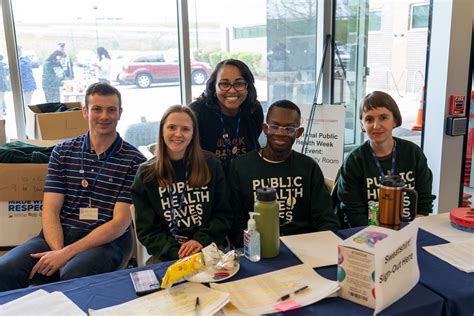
[(196, 305), (287, 296)]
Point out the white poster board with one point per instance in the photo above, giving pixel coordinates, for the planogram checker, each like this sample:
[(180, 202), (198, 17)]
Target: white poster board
[(325, 143)]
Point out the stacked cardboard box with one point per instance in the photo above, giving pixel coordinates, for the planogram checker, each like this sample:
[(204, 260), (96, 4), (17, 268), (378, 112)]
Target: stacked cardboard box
[(55, 125), (21, 199)]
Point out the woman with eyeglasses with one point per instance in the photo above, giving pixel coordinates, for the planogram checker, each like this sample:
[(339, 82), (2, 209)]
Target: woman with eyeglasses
[(229, 114), (303, 198), (180, 195)]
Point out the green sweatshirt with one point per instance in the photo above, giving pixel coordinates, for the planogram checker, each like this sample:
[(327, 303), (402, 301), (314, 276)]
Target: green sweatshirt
[(304, 200), (359, 180), (205, 216), (19, 152)]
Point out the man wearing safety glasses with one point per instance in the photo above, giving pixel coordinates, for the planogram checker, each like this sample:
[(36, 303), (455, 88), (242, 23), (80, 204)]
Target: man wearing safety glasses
[(303, 198)]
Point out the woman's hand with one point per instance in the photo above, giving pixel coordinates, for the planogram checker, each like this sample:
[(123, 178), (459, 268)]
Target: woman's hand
[(189, 248)]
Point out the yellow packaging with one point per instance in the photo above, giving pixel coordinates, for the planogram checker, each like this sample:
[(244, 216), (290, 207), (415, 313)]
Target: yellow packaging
[(182, 268)]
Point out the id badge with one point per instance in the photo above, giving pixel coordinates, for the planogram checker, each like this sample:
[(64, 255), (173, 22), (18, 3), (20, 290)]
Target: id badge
[(89, 213), (181, 239)]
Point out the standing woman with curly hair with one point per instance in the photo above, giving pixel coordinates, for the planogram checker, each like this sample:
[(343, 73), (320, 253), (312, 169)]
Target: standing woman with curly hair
[(229, 115)]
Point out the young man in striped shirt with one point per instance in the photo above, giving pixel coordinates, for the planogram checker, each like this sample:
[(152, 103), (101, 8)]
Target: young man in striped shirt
[(86, 207)]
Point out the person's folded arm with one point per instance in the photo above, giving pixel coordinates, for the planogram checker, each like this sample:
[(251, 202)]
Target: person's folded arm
[(423, 186), (222, 216), (238, 208), (322, 212), (352, 193), (52, 229)]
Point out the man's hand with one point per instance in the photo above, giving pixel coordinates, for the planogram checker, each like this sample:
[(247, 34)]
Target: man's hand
[(49, 262), (189, 248)]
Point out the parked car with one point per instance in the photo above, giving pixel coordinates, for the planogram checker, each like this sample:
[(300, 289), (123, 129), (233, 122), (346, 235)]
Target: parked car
[(156, 67)]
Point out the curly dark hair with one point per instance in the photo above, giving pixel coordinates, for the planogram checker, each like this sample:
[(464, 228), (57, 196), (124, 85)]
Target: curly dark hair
[(210, 92)]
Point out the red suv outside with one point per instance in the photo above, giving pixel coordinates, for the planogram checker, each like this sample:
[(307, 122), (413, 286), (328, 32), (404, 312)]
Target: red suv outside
[(143, 70)]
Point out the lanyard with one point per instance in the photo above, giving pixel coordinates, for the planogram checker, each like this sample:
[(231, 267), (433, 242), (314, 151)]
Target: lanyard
[(230, 151), (84, 182), (394, 158), (174, 221)]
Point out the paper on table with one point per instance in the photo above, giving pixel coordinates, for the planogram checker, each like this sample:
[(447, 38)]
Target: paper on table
[(315, 249), (459, 254), (231, 310), (55, 303), (260, 294), (178, 300), (440, 225), (22, 299)]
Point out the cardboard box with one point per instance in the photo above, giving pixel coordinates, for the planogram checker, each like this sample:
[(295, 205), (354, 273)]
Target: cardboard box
[(377, 266), (21, 199), (55, 125)]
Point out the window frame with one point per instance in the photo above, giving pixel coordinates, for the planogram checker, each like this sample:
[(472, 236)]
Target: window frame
[(379, 10), (412, 7)]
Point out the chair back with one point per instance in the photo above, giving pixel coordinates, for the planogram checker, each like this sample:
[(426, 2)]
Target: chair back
[(140, 252)]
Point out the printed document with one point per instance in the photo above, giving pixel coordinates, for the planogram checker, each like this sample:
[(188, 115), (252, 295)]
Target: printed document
[(314, 249), (178, 300), (41, 303), (458, 254), (279, 290)]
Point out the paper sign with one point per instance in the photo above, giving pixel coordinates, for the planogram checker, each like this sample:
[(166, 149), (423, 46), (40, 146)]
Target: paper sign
[(325, 141), (377, 266)]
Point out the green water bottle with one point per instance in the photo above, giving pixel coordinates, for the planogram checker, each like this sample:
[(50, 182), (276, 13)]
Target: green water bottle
[(268, 223)]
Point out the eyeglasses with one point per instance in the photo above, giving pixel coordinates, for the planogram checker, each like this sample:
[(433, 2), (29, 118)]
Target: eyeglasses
[(239, 85), (288, 130)]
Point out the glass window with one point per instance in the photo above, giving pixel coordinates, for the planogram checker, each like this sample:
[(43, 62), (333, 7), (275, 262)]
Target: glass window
[(349, 62), (130, 33), (276, 39), (250, 32), (392, 60), (7, 111), (142, 59), (419, 16), (375, 20)]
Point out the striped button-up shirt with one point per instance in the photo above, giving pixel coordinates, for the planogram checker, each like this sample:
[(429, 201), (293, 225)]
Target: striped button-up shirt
[(112, 185)]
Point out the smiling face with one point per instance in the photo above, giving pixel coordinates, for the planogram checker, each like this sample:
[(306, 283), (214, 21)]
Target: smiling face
[(378, 123), (230, 99), (279, 139), (103, 113), (177, 133)]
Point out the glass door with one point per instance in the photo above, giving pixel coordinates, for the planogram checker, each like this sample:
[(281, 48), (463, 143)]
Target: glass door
[(350, 62)]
